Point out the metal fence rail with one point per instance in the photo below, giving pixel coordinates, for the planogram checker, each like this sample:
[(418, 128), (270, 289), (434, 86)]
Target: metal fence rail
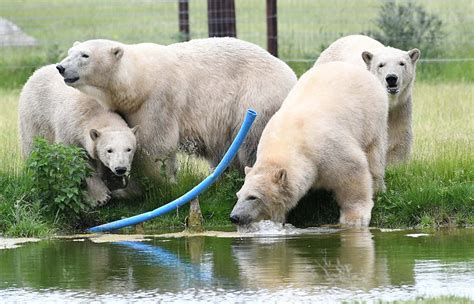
[(305, 27)]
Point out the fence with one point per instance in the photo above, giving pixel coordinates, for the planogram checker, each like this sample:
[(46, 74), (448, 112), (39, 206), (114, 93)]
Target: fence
[(302, 27)]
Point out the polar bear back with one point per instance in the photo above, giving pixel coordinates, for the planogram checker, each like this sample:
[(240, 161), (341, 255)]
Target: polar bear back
[(335, 102), (349, 49)]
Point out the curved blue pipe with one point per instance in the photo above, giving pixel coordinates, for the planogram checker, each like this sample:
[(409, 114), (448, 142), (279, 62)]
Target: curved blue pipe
[(193, 193)]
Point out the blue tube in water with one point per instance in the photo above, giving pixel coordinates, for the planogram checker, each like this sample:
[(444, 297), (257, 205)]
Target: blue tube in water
[(193, 193)]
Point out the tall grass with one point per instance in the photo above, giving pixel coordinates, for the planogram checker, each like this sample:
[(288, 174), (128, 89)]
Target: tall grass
[(436, 187), (17, 216)]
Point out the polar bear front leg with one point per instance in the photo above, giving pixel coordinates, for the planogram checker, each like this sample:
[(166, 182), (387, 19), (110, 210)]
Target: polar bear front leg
[(97, 191), (400, 134), (376, 154)]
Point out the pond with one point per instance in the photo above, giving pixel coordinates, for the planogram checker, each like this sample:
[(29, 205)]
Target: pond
[(306, 265)]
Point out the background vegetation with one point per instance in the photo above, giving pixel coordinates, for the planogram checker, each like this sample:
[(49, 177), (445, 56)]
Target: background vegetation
[(435, 188)]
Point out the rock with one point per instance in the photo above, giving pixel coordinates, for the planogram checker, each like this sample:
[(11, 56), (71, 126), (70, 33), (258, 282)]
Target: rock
[(12, 35)]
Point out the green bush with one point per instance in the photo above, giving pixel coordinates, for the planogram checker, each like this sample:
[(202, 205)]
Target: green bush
[(58, 175), (407, 26)]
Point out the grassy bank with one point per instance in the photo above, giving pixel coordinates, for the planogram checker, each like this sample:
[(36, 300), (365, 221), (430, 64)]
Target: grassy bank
[(435, 188)]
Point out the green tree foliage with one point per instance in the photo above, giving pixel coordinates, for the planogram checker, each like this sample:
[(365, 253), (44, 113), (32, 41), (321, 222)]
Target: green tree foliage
[(407, 26)]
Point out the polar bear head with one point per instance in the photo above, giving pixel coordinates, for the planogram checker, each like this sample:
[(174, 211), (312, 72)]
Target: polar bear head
[(115, 148), (265, 195), (394, 68), (91, 65)]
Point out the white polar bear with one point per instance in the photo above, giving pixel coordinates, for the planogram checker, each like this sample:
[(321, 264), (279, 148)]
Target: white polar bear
[(396, 71), (195, 91), (61, 114), (324, 136)]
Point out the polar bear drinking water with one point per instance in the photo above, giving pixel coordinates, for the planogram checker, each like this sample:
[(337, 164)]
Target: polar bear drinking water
[(324, 136), (396, 70), (195, 91), (59, 113)]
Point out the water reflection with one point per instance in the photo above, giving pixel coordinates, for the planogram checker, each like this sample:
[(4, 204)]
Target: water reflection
[(347, 260), (188, 274), (331, 265)]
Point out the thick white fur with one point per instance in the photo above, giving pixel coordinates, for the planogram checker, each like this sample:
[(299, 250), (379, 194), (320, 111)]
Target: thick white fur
[(326, 135), (351, 49), (61, 114), (195, 91)]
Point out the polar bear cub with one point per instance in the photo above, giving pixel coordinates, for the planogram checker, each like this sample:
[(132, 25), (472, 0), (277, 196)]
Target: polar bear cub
[(396, 70), (330, 133), (59, 113)]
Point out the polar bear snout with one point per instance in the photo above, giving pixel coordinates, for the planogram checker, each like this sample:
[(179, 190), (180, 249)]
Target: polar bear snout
[(69, 71), (120, 171), (69, 78), (240, 219), (391, 80), (235, 219), (392, 83), (60, 69)]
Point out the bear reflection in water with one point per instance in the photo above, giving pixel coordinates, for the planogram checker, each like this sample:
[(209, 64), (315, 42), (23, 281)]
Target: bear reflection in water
[(303, 261)]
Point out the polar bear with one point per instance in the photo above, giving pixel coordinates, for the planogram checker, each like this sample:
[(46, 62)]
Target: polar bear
[(396, 71), (59, 113), (196, 91), (324, 136)]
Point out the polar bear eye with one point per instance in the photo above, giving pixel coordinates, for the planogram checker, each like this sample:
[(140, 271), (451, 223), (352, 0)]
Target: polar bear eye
[(109, 151), (85, 56), (129, 150), (381, 65), (251, 197), (402, 63)]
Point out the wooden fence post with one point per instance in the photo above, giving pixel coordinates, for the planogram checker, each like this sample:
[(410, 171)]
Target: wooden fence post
[(184, 20), (272, 27), (221, 18)]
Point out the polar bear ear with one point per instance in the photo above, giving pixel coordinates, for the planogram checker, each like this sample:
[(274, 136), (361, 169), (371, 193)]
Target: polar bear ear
[(280, 176), (117, 52), (76, 43), (247, 170), (135, 130), (94, 134), (367, 57), (414, 55)]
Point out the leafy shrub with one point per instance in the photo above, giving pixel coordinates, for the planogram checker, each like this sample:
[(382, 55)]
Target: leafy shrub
[(58, 174), (406, 26)]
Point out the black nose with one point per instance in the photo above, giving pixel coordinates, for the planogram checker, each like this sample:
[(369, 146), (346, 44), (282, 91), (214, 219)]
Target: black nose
[(391, 80), (61, 69), (234, 219), (120, 170)]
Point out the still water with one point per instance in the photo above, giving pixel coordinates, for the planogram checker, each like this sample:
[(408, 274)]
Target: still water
[(314, 265)]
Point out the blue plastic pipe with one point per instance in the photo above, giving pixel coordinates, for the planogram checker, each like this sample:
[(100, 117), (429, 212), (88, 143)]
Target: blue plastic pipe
[(193, 193)]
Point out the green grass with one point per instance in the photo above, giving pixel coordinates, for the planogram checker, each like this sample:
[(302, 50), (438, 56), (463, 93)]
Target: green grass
[(435, 189), (305, 28)]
